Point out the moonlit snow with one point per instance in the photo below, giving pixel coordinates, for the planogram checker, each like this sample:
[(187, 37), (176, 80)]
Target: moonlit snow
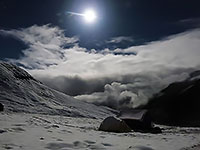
[(38, 118)]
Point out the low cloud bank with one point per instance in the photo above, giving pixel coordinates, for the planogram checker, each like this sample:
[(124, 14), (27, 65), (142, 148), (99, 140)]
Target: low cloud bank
[(117, 91), (101, 77)]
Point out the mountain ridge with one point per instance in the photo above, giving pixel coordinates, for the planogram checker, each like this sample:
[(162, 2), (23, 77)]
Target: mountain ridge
[(178, 104), (20, 92)]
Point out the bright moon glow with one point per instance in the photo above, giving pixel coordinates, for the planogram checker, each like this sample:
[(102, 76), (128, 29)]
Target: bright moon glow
[(89, 16)]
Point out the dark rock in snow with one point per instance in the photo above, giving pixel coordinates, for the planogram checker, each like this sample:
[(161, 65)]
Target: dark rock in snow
[(1, 107), (55, 126), (113, 124), (155, 130), (2, 131), (42, 138)]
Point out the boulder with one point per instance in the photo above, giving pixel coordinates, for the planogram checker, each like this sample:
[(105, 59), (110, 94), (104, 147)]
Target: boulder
[(113, 124), (156, 130), (1, 107)]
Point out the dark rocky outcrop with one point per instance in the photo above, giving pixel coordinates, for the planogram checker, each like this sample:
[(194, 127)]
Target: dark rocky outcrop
[(1, 107), (178, 104)]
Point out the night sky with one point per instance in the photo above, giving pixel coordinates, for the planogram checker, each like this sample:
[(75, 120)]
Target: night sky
[(143, 20), (133, 50)]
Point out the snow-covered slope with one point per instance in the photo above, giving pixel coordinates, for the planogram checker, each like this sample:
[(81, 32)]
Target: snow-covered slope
[(20, 92)]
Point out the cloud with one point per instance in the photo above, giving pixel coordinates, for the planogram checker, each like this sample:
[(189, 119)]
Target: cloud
[(120, 39), (117, 95), (101, 77), (75, 85), (190, 22), (132, 91), (44, 42)]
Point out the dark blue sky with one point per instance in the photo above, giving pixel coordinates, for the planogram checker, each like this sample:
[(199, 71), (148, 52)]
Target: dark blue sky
[(143, 20)]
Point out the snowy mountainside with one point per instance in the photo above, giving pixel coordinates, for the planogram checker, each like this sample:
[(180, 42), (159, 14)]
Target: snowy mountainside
[(20, 92)]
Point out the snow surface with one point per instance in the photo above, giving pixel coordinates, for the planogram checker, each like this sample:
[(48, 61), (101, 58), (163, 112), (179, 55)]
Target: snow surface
[(37, 117), (20, 92), (39, 132)]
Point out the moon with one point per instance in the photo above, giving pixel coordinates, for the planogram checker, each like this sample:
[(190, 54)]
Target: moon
[(89, 16)]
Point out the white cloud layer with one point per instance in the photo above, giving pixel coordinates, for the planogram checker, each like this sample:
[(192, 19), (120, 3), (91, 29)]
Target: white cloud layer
[(120, 39), (46, 45), (104, 78)]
